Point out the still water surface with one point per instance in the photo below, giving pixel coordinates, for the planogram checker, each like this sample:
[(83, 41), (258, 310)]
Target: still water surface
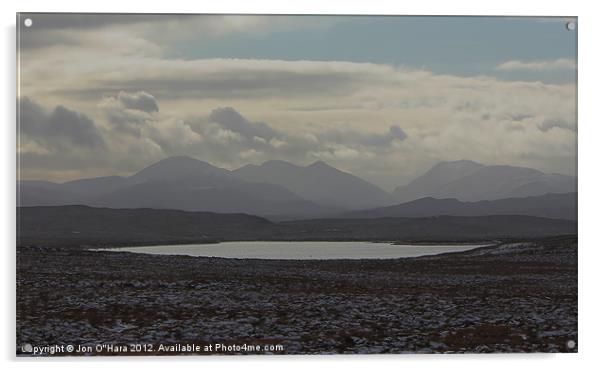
[(299, 250)]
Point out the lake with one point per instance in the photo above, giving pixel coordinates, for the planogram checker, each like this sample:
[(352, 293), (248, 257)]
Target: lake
[(306, 250)]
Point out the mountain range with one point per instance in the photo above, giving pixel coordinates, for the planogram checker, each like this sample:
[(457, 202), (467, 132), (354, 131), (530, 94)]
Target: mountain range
[(173, 183), (470, 181), (319, 183), (284, 190)]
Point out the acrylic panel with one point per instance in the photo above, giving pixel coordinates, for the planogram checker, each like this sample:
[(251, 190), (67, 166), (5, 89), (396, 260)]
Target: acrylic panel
[(281, 184)]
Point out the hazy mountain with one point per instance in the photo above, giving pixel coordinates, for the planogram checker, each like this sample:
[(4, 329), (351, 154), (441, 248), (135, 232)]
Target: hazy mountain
[(175, 183), (549, 205), (319, 183), (41, 193), (252, 198), (282, 190), (179, 168), (44, 193), (470, 181), (95, 186)]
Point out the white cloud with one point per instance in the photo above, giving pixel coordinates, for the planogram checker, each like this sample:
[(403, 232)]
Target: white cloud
[(544, 65), (277, 143)]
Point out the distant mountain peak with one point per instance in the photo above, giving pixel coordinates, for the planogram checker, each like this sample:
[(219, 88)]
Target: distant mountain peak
[(319, 183), (458, 163), (320, 164), (279, 163), (177, 166), (178, 159), (467, 180), (282, 164), (463, 161)]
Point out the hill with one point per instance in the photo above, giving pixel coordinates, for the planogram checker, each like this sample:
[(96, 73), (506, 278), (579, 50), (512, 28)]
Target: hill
[(82, 225), (549, 205)]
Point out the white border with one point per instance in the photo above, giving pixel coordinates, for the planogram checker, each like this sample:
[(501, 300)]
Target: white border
[(590, 134)]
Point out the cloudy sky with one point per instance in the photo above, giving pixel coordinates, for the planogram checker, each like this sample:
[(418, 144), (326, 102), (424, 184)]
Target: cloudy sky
[(384, 98)]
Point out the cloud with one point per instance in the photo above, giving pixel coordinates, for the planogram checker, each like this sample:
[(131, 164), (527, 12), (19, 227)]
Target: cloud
[(553, 123), (231, 140), (337, 152), (136, 114), (58, 129), (545, 65), (233, 121), (216, 78), (349, 137), (83, 21), (138, 101), (59, 143), (128, 111), (396, 133), (519, 117), (232, 126), (111, 32)]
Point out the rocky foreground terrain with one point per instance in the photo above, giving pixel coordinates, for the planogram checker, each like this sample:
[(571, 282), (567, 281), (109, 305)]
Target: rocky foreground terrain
[(514, 297)]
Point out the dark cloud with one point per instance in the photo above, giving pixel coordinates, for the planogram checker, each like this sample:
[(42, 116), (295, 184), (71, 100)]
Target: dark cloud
[(227, 134), (128, 111), (82, 21), (232, 120), (559, 123), (60, 128), (32, 117), (348, 137), (396, 133), (34, 40), (75, 126), (52, 29), (235, 83), (139, 101), (520, 117), (230, 138)]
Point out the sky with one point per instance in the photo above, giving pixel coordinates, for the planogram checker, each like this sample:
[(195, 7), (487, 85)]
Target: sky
[(382, 97)]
